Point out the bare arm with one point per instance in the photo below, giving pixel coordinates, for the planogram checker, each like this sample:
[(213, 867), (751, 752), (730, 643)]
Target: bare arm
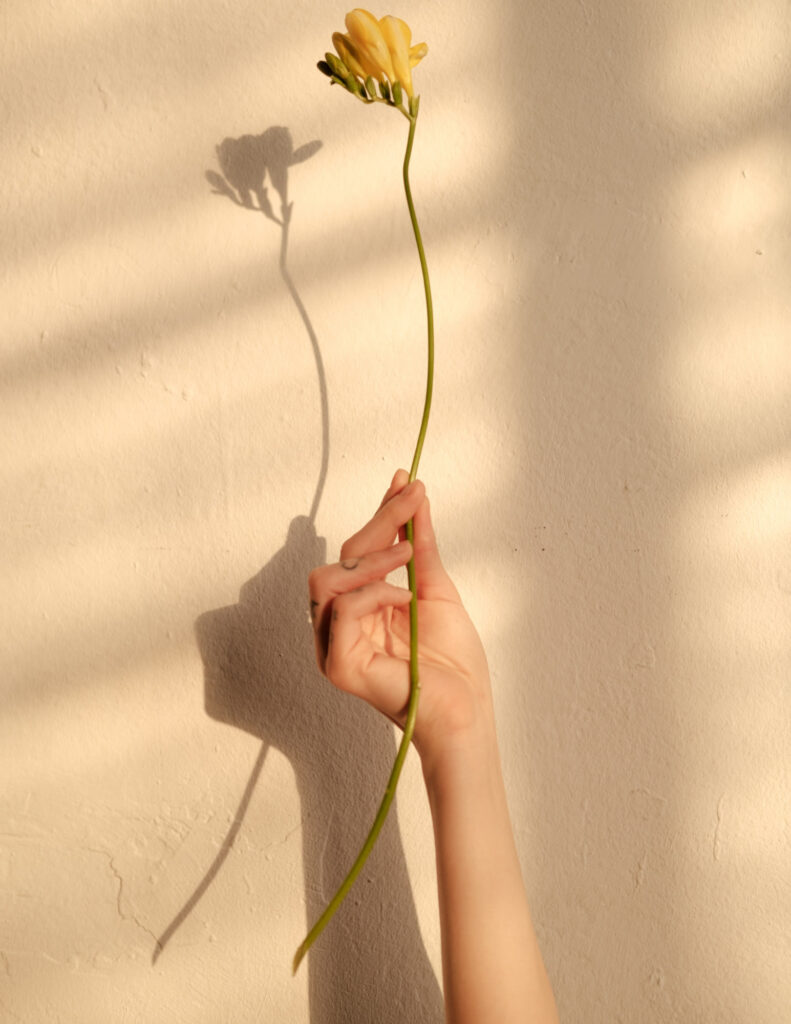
[(492, 967)]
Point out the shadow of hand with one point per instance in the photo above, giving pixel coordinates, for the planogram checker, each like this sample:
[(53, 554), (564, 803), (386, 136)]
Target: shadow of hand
[(260, 676)]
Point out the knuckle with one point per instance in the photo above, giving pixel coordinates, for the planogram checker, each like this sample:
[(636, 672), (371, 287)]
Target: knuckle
[(340, 605), (315, 577)]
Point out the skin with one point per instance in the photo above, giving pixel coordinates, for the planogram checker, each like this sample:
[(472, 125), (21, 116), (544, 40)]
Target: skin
[(492, 966)]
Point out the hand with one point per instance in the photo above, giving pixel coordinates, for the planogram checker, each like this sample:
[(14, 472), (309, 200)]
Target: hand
[(361, 625)]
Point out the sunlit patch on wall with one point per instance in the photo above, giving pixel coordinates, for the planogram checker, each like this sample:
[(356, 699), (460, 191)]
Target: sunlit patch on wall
[(738, 193), (750, 510)]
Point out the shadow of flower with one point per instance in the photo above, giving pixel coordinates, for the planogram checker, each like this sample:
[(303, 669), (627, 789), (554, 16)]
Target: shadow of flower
[(247, 161)]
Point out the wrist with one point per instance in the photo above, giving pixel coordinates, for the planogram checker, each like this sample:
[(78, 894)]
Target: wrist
[(461, 758)]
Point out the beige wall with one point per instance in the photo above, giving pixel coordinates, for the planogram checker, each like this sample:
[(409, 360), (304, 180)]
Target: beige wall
[(604, 191)]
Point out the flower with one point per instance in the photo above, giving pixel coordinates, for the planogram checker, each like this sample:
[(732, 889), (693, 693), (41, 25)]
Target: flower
[(380, 49)]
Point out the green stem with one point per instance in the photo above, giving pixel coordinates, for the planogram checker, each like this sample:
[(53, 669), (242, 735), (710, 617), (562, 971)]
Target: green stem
[(414, 679), (427, 288)]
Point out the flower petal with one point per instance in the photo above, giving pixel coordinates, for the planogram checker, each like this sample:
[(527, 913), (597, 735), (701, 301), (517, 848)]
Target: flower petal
[(346, 51), (398, 36), (366, 37), (417, 53)]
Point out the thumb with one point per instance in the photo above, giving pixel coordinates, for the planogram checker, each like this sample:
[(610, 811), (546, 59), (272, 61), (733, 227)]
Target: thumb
[(433, 582)]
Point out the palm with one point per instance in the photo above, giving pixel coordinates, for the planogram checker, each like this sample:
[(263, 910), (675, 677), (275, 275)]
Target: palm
[(451, 661)]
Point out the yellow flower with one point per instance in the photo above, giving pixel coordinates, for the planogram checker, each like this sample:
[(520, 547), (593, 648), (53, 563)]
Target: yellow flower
[(381, 49)]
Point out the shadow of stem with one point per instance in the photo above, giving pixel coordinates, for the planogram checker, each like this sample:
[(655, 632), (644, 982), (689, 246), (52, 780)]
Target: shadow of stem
[(260, 676)]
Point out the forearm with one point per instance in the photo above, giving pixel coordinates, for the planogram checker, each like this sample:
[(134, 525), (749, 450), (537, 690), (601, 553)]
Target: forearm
[(492, 966)]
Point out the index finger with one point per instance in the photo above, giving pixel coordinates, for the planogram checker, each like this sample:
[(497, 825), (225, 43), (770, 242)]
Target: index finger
[(398, 483), (380, 531)]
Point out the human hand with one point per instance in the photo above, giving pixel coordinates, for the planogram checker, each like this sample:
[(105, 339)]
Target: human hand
[(361, 625)]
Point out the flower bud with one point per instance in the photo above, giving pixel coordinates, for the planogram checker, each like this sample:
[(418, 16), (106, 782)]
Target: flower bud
[(384, 90), (398, 96), (337, 66), (324, 68), (370, 87)]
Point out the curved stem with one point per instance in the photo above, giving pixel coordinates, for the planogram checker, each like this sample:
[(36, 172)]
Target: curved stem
[(414, 678), (427, 288)]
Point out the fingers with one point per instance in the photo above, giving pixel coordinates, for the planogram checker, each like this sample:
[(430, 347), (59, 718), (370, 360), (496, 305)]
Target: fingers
[(327, 583), (350, 573), (350, 650), (385, 524), (399, 482), (355, 587)]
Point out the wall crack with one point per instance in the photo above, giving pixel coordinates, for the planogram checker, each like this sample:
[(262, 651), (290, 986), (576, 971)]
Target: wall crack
[(717, 844)]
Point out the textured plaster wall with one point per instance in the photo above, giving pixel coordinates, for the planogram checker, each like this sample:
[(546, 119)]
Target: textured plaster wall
[(604, 191)]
